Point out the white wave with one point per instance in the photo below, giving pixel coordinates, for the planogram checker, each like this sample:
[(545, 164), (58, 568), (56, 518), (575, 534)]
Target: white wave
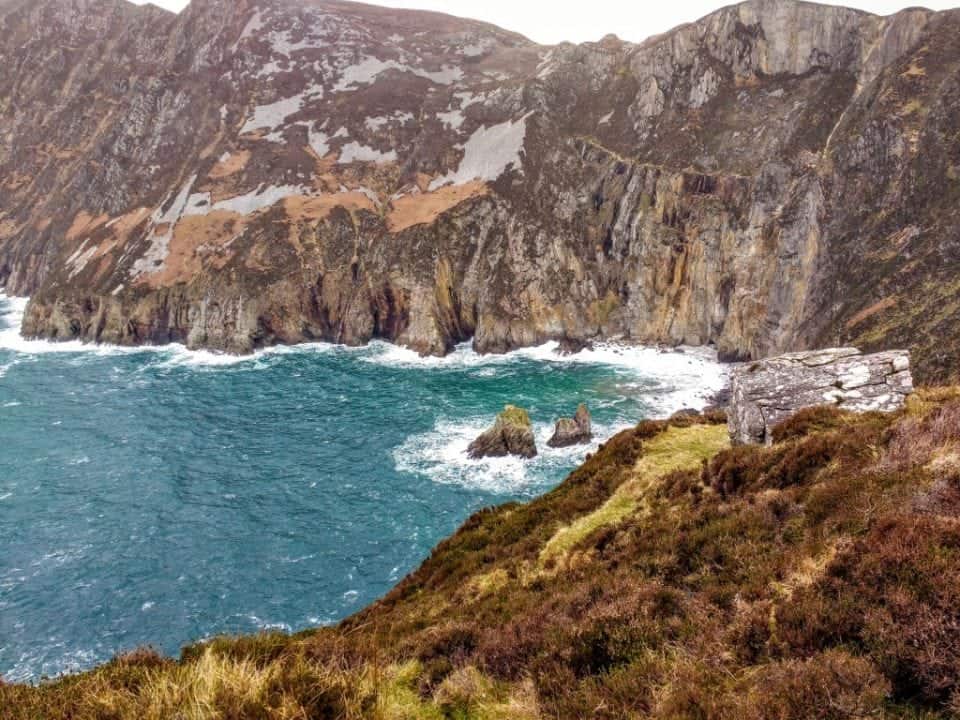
[(686, 377), (173, 355), (266, 625), (12, 310), (441, 456), (667, 380), (652, 362), (30, 667)]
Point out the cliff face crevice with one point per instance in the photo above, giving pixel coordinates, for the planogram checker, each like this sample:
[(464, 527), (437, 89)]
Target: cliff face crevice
[(776, 176)]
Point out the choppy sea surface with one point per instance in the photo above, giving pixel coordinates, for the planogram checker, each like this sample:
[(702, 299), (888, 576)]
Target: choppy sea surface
[(159, 496)]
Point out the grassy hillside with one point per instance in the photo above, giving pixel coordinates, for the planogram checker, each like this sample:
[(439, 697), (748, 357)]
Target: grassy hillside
[(670, 576)]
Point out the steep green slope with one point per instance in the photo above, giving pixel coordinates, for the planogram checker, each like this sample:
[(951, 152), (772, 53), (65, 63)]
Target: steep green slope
[(669, 577)]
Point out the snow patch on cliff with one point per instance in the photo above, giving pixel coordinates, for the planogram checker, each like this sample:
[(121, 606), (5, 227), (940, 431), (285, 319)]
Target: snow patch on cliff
[(355, 152), (78, 261), (489, 153), (318, 140), (546, 66), (283, 45), (478, 49), (374, 124), (187, 205), (159, 248), (262, 197), (274, 115), (452, 119), (367, 70)]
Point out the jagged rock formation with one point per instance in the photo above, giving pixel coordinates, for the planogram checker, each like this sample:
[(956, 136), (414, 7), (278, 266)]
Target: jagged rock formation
[(768, 392), (573, 431), (776, 176), (511, 434)]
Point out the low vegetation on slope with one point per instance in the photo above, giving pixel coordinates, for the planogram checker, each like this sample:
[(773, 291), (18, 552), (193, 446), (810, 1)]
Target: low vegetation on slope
[(671, 576)]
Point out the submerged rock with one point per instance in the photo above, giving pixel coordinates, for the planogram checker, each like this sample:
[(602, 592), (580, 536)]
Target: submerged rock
[(511, 434), (768, 392), (573, 346), (573, 431)]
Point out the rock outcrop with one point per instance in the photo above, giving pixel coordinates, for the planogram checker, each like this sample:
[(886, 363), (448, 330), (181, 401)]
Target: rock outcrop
[(573, 431), (767, 392), (511, 434), (776, 176)]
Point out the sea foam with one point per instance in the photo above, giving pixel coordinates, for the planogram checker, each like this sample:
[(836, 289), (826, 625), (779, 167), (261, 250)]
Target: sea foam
[(684, 378), (174, 355), (441, 455)]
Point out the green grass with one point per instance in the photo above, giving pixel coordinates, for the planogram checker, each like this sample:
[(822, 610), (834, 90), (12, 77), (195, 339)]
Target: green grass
[(675, 449)]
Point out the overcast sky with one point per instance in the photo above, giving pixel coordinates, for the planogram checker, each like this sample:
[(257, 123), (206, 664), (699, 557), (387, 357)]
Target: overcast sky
[(552, 21)]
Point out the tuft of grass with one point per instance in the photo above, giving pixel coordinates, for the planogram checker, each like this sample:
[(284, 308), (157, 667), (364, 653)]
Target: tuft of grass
[(488, 583), (398, 698), (676, 449)]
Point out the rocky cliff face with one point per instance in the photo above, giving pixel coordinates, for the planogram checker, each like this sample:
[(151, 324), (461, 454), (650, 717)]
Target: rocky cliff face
[(776, 176)]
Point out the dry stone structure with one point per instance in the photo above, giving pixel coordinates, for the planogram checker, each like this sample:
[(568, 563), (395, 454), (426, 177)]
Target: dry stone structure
[(767, 392)]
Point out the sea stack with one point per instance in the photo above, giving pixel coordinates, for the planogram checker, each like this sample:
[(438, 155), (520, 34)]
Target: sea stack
[(511, 434), (573, 431)]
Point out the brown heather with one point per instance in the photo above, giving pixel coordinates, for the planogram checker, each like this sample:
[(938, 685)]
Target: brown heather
[(818, 578)]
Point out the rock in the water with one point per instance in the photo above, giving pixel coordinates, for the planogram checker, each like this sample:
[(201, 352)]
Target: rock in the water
[(768, 392), (572, 346), (573, 431), (511, 434)]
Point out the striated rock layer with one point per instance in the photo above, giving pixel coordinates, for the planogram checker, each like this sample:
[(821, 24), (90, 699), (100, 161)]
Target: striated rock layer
[(766, 393), (777, 176)]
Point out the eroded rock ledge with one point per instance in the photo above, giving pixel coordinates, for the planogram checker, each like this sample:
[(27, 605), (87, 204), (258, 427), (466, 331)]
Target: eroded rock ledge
[(767, 392)]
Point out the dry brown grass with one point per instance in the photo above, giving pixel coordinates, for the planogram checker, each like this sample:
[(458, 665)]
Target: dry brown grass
[(426, 207)]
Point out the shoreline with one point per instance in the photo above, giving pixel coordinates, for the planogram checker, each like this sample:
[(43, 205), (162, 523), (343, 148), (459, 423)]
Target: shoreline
[(613, 351)]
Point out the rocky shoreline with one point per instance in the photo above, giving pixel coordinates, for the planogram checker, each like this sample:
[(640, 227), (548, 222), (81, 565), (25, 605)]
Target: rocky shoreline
[(716, 185)]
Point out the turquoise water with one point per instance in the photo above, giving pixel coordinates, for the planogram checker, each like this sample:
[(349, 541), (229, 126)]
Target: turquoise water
[(158, 496)]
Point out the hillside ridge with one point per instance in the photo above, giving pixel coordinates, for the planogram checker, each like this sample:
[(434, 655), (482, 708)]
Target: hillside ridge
[(670, 576)]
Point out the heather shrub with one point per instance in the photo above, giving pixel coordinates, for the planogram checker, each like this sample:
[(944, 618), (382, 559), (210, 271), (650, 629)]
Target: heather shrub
[(829, 686), (809, 421), (895, 593), (918, 438), (737, 469)]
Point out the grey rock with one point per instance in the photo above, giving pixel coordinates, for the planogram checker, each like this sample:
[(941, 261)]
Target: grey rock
[(572, 346), (767, 392), (511, 434), (573, 431)]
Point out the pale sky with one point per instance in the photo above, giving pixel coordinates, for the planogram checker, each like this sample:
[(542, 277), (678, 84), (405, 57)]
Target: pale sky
[(552, 21)]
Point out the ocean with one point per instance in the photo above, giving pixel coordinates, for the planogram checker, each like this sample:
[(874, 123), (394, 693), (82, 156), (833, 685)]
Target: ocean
[(159, 496)]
